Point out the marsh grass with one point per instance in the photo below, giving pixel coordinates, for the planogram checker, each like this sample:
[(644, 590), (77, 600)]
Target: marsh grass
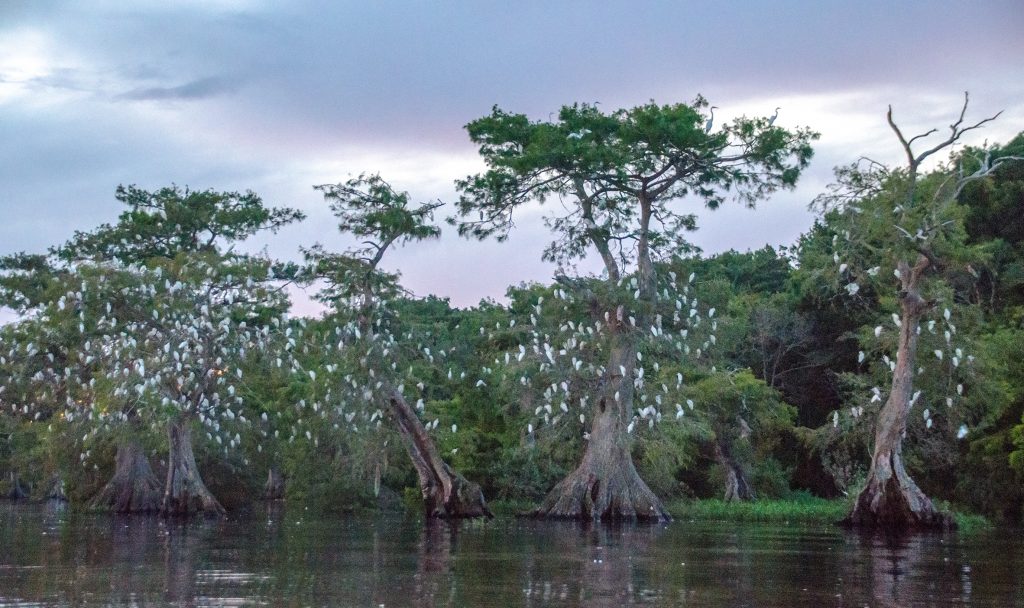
[(966, 523), (511, 507), (801, 509)]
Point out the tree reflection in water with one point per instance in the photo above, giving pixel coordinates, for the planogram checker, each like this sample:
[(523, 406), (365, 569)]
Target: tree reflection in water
[(434, 583), (611, 576), (180, 544), (569, 563), (278, 557), (899, 571)]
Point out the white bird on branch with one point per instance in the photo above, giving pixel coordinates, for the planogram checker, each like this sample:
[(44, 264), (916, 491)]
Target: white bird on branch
[(711, 120)]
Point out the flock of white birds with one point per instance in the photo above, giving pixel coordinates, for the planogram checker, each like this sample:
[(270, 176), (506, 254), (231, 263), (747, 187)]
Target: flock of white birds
[(152, 347), (949, 355)]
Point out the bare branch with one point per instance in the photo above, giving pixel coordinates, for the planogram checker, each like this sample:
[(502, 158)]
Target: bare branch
[(983, 171), (903, 140), (921, 136), (963, 112), (956, 131), (874, 163), (1001, 160)]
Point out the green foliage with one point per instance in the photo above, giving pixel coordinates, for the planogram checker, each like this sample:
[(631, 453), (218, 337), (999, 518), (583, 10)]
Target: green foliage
[(172, 220), (771, 478), (785, 375), (511, 508), (612, 165), (368, 208), (800, 509), (660, 456), (728, 397), (26, 280), (139, 323), (741, 419)]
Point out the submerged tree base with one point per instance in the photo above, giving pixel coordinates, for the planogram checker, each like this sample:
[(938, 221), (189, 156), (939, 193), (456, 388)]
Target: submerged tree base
[(133, 488), (894, 508), (55, 489), (185, 493), (16, 491), (457, 498), (603, 489), (606, 486), (446, 494), (190, 497)]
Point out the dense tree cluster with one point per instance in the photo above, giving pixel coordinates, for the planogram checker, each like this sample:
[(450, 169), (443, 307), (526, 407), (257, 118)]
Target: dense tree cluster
[(153, 368)]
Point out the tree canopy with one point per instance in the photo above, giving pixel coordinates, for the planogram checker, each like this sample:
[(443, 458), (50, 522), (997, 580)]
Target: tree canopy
[(152, 339)]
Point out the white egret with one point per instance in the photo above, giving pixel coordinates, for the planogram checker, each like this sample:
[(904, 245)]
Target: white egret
[(711, 120)]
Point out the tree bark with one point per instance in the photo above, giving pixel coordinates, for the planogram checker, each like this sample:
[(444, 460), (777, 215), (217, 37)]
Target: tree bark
[(185, 493), (16, 491), (446, 494), (273, 489), (606, 485), (736, 485), (891, 501), (133, 488), (55, 489)]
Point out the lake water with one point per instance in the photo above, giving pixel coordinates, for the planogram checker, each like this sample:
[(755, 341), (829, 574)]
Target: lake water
[(275, 557)]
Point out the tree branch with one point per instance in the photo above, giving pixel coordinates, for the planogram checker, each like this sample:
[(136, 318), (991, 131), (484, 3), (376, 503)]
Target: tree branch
[(903, 140), (600, 242), (983, 171)]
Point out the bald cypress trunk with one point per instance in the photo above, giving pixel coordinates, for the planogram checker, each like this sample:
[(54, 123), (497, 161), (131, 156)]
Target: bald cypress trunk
[(133, 488), (185, 493), (55, 489), (891, 501), (737, 487), (273, 488), (606, 485), (16, 491), (446, 494)]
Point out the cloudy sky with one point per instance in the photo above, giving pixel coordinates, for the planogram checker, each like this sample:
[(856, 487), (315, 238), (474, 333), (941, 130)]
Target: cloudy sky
[(276, 97)]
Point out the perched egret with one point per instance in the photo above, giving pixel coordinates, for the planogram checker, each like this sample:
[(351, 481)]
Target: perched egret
[(711, 120)]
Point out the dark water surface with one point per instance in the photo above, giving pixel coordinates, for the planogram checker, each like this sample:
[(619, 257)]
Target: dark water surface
[(272, 557)]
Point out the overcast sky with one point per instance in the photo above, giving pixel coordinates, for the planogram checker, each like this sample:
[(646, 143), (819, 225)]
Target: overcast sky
[(276, 97)]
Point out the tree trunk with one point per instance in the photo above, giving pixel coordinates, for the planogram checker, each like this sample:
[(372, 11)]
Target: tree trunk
[(736, 485), (606, 485), (891, 501), (446, 494), (273, 489), (185, 493), (133, 488), (55, 489), (16, 491)]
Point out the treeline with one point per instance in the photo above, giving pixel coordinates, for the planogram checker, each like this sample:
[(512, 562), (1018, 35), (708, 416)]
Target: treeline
[(154, 368)]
